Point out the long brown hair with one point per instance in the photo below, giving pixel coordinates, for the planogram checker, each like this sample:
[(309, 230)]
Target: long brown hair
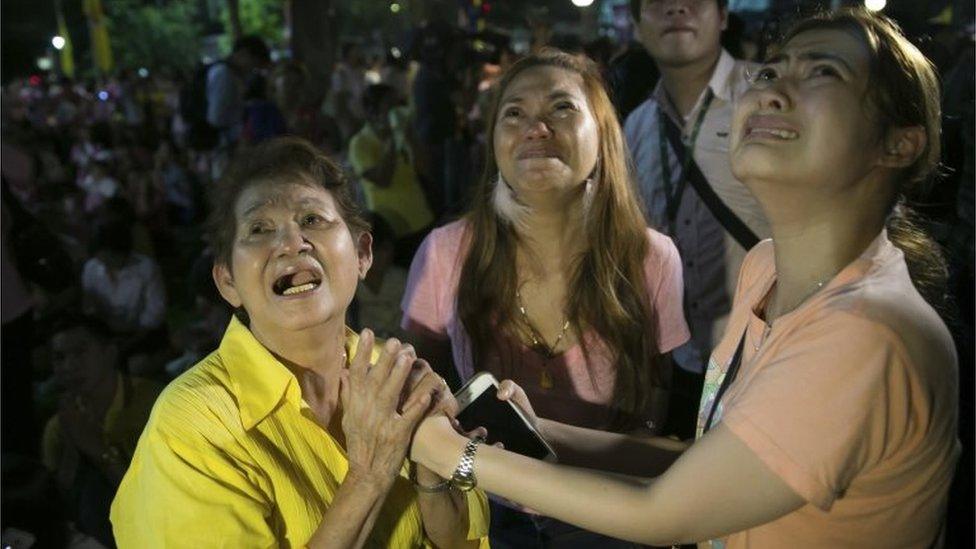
[(607, 291), (903, 87)]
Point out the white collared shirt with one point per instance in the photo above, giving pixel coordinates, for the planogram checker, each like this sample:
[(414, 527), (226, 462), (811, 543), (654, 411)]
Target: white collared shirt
[(711, 256)]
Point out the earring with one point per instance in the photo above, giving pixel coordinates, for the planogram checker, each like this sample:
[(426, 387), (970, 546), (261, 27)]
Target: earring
[(507, 205)]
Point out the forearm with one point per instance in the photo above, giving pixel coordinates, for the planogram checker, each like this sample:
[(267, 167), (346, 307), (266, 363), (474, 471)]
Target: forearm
[(350, 518), (615, 505), (445, 514), (645, 456)]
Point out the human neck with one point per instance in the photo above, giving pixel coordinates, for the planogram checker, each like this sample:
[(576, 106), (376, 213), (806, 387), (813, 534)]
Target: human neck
[(551, 234), (685, 83), (836, 234), (319, 349)]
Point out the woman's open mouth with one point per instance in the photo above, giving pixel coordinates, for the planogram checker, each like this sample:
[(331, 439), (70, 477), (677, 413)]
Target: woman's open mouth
[(296, 283)]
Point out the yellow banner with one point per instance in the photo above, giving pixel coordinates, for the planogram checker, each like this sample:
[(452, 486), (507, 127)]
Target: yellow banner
[(66, 53), (101, 45)]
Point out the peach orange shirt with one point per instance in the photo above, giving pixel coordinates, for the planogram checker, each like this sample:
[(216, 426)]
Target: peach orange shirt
[(582, 388), (851, 399)]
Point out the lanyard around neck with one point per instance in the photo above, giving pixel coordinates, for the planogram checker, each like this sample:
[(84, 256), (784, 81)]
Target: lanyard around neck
[(673, 195)]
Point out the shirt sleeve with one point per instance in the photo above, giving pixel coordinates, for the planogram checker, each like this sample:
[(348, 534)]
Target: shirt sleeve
[(423, 310), (181, 490), (819, 412), (478, 517), (664, 278)]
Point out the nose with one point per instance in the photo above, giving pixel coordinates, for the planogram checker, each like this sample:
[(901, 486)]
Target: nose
[(775, 98), (676, 7), (537, 129), (291, 240)]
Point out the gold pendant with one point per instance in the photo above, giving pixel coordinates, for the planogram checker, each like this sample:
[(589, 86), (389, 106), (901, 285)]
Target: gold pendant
[(545, 380)]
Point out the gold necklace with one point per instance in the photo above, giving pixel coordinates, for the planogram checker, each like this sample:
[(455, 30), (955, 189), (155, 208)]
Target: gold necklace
[(539, 344)]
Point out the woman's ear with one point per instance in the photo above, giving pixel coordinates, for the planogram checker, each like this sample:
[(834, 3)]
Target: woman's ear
[(902, 146), (364, 247), (225, 284)]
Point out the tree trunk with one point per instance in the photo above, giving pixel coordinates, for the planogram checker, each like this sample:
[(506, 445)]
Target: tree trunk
[(234, 17), (314, 34)]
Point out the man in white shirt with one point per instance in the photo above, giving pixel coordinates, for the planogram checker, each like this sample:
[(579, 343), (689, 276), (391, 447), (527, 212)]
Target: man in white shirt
[(699, 84)]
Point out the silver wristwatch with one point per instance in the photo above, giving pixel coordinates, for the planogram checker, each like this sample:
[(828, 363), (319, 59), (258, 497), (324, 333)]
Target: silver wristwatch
[(463, 478)]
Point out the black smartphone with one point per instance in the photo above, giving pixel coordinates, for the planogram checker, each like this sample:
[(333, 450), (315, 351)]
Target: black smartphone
[(504, 421)]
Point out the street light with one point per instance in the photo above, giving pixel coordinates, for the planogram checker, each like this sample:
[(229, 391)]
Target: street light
[(395, 7), (582, 3), (875, 5), (58, 42)]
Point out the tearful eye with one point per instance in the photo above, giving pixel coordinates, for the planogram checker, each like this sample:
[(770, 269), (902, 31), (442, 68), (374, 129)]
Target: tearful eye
[(763, 75), (257, 229), (511, 112), (311, 219), (823, 70)]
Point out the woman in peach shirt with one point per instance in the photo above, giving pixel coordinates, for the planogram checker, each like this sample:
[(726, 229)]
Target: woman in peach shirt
[(829, 412)]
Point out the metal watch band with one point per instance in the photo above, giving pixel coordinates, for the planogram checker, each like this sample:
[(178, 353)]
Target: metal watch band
[(463, 478)]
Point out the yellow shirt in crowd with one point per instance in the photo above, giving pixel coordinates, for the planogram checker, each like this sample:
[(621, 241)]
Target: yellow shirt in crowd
[(402, 204), (232, 457), (124, 421)]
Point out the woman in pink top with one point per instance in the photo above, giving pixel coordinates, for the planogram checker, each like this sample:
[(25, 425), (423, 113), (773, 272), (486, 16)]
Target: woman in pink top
[(553, 278), (829, 411)]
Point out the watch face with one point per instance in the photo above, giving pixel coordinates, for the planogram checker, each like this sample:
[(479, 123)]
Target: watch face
[(463, 483)]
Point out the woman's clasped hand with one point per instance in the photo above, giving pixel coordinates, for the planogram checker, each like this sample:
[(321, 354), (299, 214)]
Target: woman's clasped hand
[(383, 402)]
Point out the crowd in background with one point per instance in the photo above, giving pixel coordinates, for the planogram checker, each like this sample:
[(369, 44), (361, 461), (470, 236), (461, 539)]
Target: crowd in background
[(107, 290)]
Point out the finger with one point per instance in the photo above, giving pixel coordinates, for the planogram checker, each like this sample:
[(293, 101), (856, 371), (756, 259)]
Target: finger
[(506, 389), (415, 408), (359, 365), (393, 385), (344, 391), (388, 354)]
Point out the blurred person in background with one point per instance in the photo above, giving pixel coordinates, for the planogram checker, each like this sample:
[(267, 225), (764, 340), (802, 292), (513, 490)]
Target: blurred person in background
[(88, 444), (122, 287), (378, 296), (346, 90), (382, 157)]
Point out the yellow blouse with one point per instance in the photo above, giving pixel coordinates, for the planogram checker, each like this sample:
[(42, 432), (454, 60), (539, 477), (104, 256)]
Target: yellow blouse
[(232, 457)]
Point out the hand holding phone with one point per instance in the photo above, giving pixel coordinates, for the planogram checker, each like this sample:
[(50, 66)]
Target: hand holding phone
[(505, 422)]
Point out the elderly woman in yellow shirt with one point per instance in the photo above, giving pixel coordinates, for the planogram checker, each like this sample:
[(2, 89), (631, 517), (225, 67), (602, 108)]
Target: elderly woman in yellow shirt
[(286, 435)]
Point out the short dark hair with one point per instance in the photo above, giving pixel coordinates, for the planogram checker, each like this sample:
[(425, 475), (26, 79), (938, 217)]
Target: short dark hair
[(277, 161), (635, 7), (95, 327), (253, 45)]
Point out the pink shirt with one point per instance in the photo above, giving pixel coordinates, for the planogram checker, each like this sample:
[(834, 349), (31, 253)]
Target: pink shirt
[(851, 399), (582, 387)]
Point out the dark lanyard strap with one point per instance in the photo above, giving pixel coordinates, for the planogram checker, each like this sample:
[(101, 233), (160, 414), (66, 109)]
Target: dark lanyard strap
[(730, 375), (672, 196)]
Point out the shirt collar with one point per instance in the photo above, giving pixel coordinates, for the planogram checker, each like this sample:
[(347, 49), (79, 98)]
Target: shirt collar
[(720, 83), (258, 379)]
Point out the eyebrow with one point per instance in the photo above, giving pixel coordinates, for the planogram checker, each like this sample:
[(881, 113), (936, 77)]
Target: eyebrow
[(810, 56), (558, 94), (257, 205)]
